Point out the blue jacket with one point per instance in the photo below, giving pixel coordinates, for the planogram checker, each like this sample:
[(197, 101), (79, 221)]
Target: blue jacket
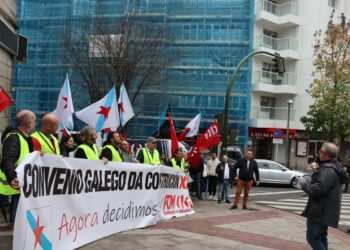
[(246, 174)]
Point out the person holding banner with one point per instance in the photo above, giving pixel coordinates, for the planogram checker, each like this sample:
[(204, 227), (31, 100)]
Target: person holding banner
[(149, 154), (16, 146), (44, 139), (178, 162), (88, 148), (110, 147), (124, 150)]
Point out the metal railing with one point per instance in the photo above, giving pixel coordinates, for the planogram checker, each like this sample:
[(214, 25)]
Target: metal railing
[(271, 113), (278, 10), (262, 76), (276, 44)]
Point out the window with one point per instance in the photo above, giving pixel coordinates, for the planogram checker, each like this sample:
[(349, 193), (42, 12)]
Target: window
[(270, 33), (267, 66), (266, 101), (263, 165), (267, 105), (333, 3), (275, 166)]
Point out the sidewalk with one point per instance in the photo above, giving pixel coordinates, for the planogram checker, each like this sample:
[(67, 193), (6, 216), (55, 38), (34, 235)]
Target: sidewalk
[(215, 227)]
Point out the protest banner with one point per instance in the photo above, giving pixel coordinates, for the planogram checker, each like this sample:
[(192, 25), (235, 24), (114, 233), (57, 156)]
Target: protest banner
[(66, 203)]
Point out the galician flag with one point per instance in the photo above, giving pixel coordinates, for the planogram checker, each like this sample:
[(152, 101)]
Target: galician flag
[(102, 114), (64, 109), (125, 108), (191, 128)]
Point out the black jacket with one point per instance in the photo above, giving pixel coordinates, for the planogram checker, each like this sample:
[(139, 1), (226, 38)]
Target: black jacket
[(220, 170), (10, 153), (246, 174), (324, 192)]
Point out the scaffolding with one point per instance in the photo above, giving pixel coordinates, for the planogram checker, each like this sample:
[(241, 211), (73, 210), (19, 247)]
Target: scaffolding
[(212, 36)]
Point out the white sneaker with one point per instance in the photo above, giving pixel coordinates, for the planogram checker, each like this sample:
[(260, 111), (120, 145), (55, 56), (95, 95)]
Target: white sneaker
[(214, 198), (210, 197)]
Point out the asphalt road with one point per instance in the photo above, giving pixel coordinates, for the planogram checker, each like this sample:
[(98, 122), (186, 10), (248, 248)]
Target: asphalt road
[(292, 200)]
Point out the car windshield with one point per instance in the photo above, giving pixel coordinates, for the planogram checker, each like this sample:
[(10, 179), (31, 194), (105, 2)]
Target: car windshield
[(235, 155)]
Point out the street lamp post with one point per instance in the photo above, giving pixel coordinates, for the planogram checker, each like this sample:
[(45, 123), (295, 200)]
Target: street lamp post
[(289, 102), (280, 69)]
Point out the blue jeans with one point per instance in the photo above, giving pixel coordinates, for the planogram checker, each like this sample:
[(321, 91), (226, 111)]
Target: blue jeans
[(223, 190), (316, 234)]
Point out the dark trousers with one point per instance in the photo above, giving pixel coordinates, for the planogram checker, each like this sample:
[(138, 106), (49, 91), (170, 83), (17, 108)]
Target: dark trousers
[(316, 234), (13, 207), (213, 181), (196, 184)]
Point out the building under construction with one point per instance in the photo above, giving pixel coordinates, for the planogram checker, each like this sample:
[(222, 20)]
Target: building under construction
[(211, 36)]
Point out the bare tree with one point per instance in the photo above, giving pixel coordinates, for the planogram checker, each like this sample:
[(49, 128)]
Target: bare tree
[(132, 49)]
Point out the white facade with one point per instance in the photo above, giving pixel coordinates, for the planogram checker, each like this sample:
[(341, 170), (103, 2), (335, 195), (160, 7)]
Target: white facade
[(286, 27)]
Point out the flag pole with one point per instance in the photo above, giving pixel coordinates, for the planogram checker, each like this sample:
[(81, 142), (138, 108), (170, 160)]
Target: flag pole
[(7, 116), (16, 104)]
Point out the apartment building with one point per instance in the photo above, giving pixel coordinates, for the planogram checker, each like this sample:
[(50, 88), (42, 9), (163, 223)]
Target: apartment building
[(285, 27)]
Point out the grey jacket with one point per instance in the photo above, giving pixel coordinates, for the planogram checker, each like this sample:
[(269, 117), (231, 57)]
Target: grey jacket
[(325, 193)]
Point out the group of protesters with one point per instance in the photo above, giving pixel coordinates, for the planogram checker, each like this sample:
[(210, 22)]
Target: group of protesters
[(18, 142)]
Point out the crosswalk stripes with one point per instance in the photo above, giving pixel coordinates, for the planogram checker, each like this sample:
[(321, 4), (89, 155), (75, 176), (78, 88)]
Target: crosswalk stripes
[(297, 206)]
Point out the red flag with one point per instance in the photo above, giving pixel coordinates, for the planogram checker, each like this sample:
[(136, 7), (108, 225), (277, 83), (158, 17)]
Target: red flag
[(209, 138), (182, 136), (5, 100), (174, 141), (193, 157)]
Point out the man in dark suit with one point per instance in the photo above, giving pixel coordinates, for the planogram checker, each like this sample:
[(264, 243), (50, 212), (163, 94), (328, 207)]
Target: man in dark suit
[(247, 167)]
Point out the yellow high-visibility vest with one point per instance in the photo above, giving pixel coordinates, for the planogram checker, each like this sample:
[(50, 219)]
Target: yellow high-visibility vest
[(115, 154), (91, 154), (5, 187), (45, 143), (182, 164), (148, 159)]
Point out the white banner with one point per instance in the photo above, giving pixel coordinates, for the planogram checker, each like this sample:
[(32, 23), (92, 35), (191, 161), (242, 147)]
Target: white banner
[(66, 203)]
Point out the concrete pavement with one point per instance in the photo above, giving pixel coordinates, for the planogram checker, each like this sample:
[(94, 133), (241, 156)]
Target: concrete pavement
[(214, 226)]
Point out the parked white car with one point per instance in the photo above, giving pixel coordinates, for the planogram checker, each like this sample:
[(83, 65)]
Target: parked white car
[(273, 172)]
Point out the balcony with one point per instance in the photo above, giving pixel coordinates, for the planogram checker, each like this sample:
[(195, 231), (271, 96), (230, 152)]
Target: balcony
[(270, 82), (270, 117), (277, 16), (287, 47)]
